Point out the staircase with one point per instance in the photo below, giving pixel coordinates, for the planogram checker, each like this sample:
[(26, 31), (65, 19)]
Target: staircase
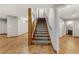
[(41, 34)]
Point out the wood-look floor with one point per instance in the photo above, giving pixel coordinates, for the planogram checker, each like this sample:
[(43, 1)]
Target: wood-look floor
[(40, 49), (19, 45), (13, 44), (69, 45)]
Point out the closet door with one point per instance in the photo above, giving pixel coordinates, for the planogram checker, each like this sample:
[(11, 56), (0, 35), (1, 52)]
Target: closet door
[(12, 26), (3, 26)]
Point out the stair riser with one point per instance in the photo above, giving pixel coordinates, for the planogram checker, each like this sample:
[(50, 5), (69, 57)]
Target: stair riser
[(41, 43), (42, 38), (40, 27), (41, 35), (42, 31)]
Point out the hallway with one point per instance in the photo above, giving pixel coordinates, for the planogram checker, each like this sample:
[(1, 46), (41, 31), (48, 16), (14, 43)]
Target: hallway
[(69, 44)]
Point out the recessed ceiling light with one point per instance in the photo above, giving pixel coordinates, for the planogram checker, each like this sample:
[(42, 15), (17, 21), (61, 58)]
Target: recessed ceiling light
[(68, 6), (69, 22), (74, 15)]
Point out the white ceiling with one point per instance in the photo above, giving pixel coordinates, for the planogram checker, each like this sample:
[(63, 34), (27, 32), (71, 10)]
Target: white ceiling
[(65, 11), (19, 9), (69, 11)]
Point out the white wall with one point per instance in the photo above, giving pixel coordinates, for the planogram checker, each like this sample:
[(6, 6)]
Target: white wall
[(3, 26), (6, 9), (23, 9), (52, 27), (20, 9), (76, 27), (41, 12), (62, 27), (16, 26), (12, 26), (22, 25)]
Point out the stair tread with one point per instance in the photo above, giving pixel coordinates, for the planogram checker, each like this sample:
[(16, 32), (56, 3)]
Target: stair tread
[(44, 38), (40, 41), (45, 35), (44, 29), (41, 35), (41, 32)]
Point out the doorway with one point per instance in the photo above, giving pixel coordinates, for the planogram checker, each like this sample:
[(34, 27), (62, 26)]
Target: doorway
[(3, 26), (41, 13), (69, 27)]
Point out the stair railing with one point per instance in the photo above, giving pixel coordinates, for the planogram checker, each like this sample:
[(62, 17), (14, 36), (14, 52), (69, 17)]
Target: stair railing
[(34, 26)]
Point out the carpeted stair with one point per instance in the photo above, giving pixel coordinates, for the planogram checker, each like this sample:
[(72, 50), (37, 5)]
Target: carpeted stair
[(41, 35)]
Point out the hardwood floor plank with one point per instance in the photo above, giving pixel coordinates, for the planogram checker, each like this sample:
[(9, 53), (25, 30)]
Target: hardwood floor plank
[(19, 45), (41, 49), (69, 45), (13, 44)]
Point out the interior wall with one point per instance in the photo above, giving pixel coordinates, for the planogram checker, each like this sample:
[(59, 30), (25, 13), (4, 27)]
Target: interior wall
[(3, 26), (6, 9), (20, 9), (12, 26), (16, 26), (62, 27), (22, 26), (76, 27), (41, 12), (50, 12), (23, 9), (65, 25)]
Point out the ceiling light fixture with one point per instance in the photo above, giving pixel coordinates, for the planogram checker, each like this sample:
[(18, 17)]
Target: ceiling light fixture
[(68, 6), (74, 15)]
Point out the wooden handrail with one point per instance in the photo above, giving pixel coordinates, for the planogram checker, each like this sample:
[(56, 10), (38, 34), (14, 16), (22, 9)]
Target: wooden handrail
[(29, 26), (34, 26)]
